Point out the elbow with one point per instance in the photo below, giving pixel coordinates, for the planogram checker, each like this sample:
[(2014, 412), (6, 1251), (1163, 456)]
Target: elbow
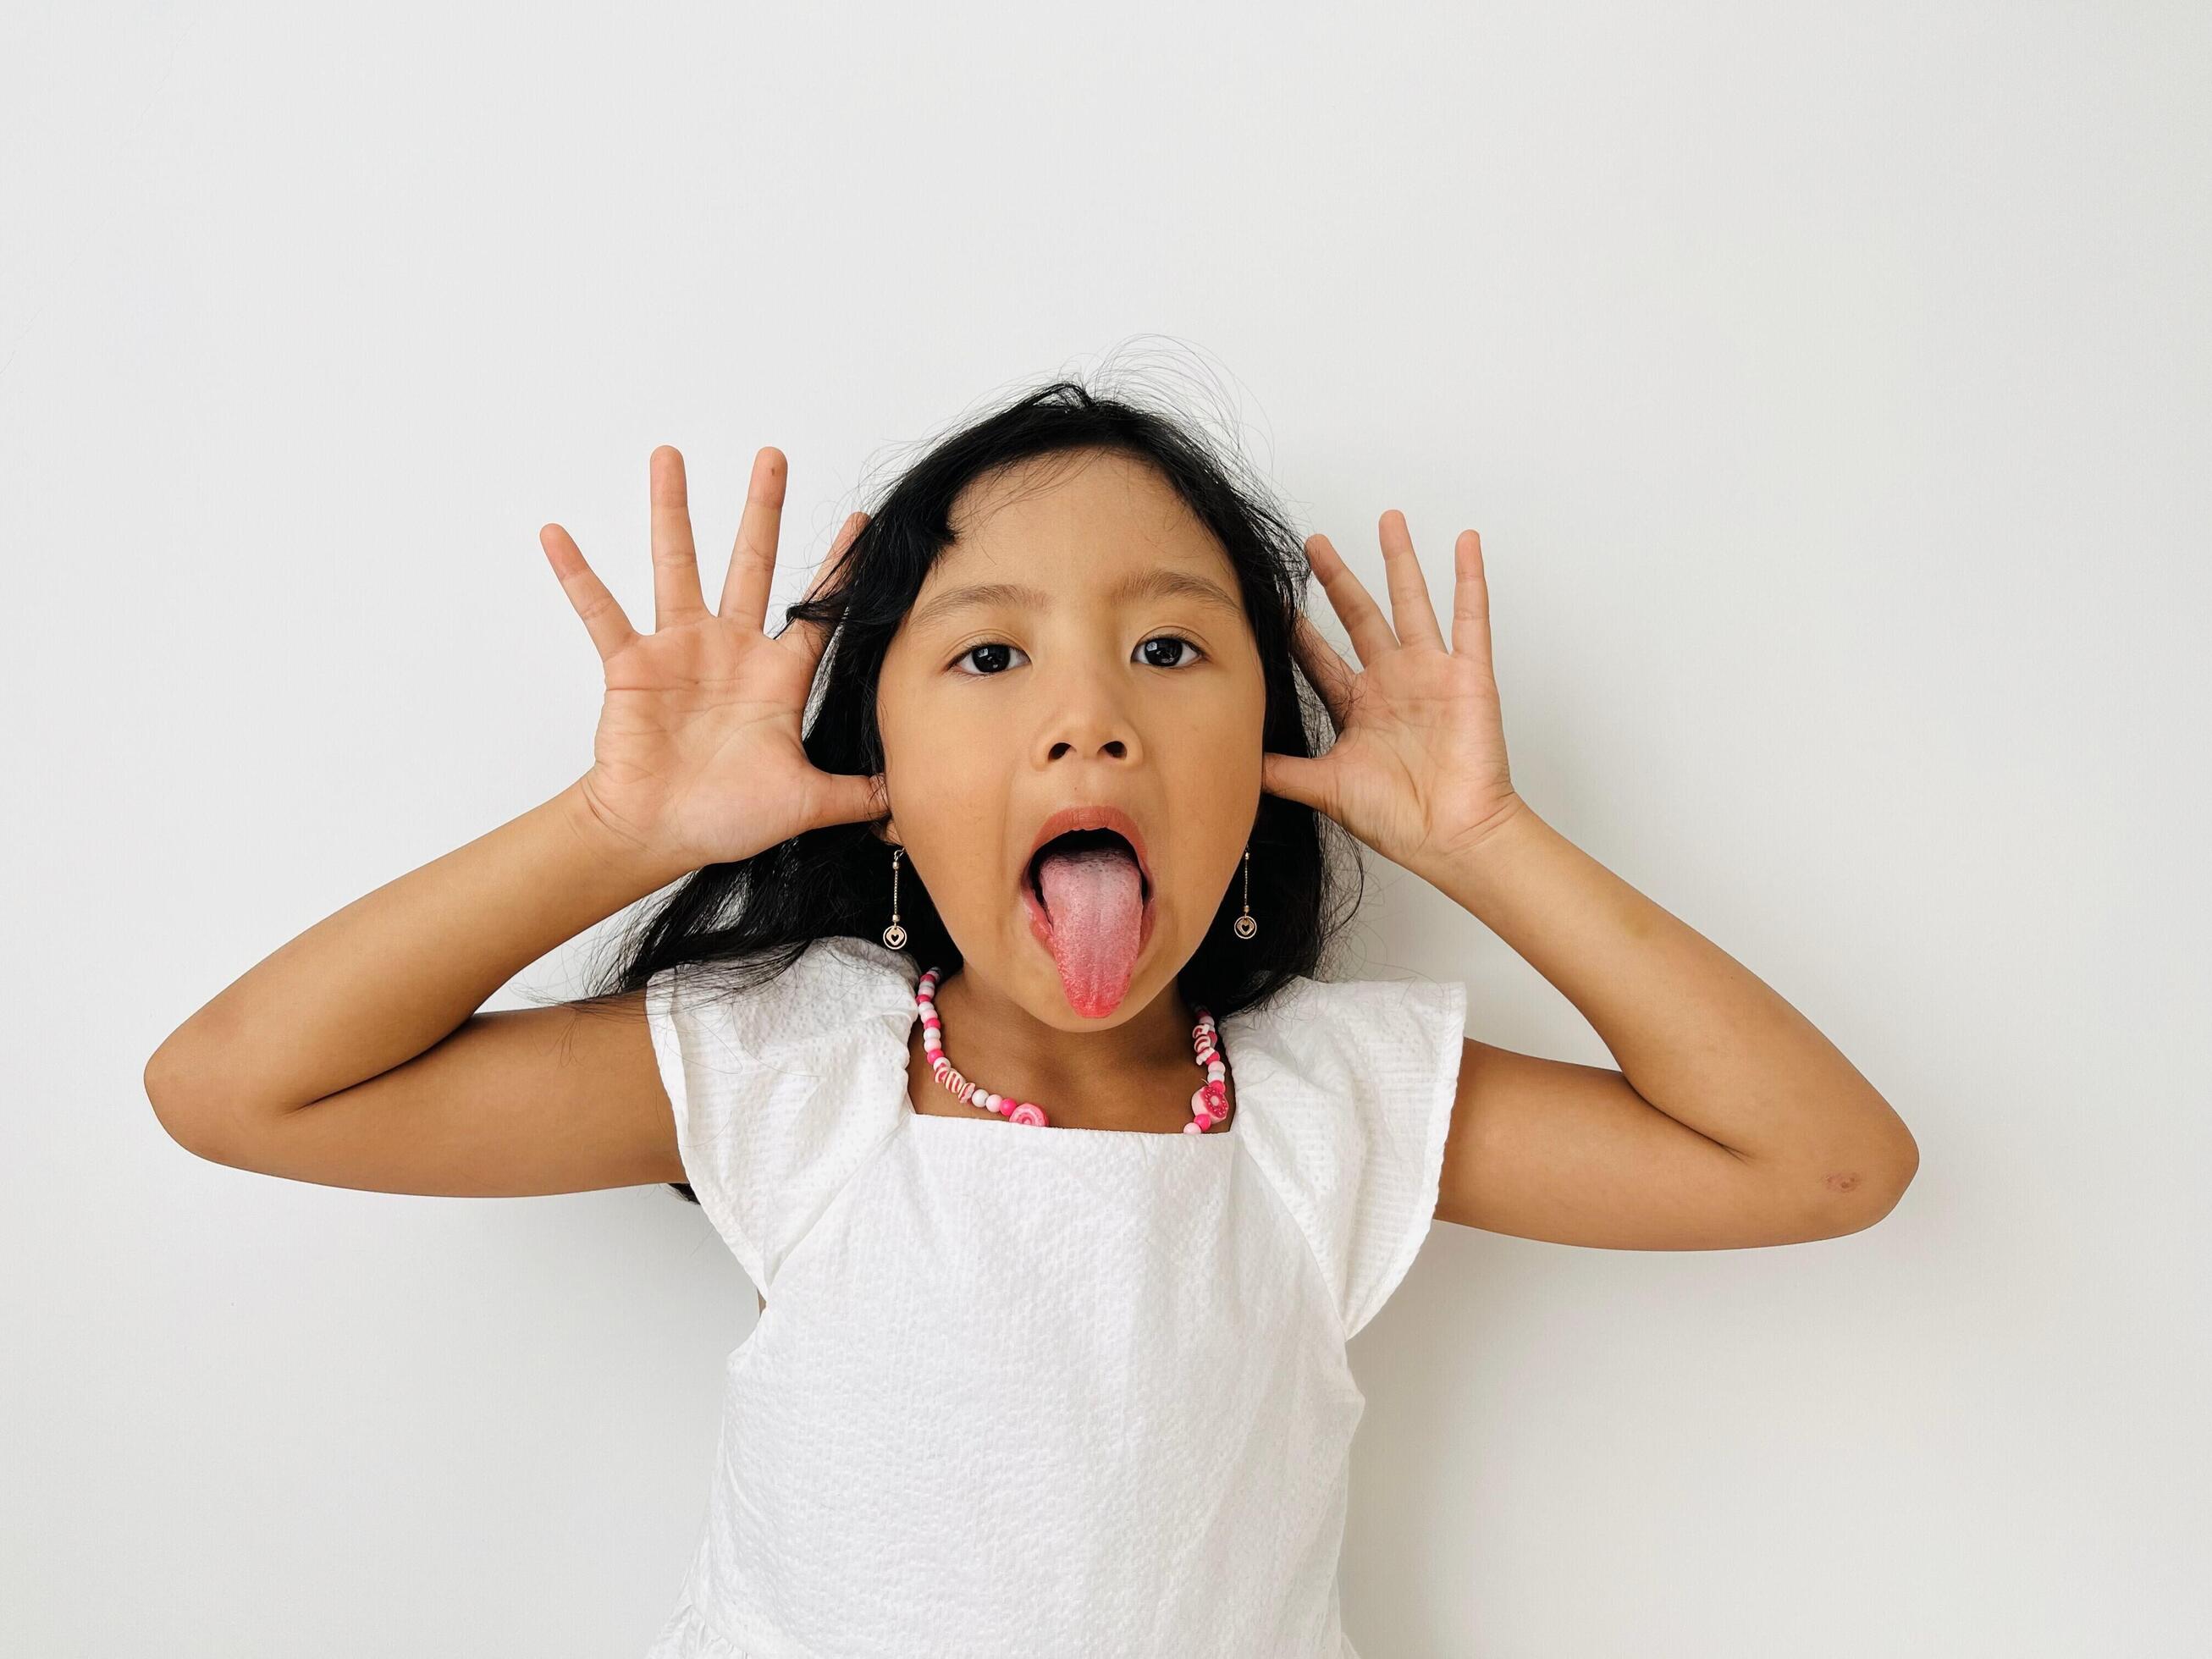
[(173, 1088), (193, 1082), (1855, 1196)]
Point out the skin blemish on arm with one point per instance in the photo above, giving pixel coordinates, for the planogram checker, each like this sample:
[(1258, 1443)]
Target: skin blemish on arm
[(1843, 1180)]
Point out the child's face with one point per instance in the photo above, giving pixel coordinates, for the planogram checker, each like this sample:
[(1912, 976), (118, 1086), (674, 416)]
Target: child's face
[(997, 710)]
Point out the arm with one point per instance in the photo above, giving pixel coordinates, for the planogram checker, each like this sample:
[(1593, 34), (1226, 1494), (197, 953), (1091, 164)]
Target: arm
[(355, 1056), (1732, 1122)]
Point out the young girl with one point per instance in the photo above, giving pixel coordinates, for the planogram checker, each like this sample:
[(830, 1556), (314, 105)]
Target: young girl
[(983, 1025)]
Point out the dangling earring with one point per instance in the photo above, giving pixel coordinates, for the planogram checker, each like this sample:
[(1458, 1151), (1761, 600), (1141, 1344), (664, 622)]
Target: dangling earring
[(894, 935), (1244, 926)]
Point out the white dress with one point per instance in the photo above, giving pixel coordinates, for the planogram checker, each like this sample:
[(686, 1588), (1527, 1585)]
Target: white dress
[(1040, 1390)]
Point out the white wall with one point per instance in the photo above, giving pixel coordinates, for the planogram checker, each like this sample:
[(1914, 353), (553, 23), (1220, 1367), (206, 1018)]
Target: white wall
[(1830, 387)]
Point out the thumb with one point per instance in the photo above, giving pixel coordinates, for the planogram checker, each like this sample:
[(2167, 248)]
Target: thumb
[(1295, 778), (849, 798)]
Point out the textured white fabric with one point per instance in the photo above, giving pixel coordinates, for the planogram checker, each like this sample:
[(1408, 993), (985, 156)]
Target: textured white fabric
[(1040, 1390)]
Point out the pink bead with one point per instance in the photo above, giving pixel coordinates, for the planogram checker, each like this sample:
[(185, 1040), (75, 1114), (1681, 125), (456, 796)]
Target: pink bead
[(1209, 1102)]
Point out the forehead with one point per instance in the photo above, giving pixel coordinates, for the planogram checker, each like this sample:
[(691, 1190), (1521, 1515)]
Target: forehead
[(1084, 516)]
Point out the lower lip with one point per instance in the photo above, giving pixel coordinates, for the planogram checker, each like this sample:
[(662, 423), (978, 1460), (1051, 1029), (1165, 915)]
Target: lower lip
[(1041, 928)]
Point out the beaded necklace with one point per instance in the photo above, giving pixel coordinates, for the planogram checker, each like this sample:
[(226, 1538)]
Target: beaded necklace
[(1208, 1105)]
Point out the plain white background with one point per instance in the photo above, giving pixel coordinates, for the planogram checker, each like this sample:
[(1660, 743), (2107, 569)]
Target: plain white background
[(1830, 387)]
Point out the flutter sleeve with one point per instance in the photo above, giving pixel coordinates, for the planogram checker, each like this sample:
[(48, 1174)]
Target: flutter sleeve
[(780, 1091), (1351, 1087)]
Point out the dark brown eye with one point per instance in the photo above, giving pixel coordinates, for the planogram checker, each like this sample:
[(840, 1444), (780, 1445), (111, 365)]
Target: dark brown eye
[(1181, 660), (992, 647)]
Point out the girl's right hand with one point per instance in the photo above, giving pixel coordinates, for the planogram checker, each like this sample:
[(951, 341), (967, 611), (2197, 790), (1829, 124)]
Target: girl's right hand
[(698, 759)]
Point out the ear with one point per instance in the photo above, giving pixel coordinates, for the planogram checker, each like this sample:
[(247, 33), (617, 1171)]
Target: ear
[(884, 830)]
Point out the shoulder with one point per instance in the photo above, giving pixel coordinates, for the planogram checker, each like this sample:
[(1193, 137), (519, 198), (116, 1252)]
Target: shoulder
[(831, 986), (1311, 1024), (1346, 1088), (781, 1086)]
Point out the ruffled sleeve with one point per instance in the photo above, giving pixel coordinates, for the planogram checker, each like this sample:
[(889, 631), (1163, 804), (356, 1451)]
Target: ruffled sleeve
[(1346, 1092), (781, 1093)]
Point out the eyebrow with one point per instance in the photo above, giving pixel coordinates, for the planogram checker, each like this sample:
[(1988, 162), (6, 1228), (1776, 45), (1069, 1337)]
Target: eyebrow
[(1160, 582)]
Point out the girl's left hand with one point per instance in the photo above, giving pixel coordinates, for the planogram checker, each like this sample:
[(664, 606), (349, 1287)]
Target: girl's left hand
[(1418, 770)]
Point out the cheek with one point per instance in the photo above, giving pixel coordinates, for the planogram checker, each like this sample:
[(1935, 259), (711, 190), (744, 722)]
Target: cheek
[(1229, 722), (914, 738), (945, 746), (1211, 773), (947, 772)]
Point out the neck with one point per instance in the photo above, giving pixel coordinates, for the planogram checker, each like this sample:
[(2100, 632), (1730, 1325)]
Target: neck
[(1137, 1074)]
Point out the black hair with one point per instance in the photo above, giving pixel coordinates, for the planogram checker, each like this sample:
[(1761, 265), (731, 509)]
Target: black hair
[(749, 921)]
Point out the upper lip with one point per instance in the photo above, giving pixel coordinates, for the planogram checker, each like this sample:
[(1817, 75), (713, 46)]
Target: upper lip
[(1094, 818)]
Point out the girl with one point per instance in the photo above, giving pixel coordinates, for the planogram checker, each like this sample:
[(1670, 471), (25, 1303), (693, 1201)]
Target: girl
[(982, 1024)]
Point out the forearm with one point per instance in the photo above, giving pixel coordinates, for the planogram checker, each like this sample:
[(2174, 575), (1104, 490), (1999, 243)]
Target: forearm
[(376, 983), (1694, 1032)]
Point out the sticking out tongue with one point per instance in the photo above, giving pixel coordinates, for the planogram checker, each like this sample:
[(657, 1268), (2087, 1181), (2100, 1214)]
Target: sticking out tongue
[(1095, 906)]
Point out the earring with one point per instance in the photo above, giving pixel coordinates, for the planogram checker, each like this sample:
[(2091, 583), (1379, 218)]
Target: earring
[(1244, 926), (894, 935)]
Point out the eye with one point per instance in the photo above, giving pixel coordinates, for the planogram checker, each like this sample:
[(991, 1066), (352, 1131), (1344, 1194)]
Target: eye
[(992, 646), (1183, 652), (1169, 640)]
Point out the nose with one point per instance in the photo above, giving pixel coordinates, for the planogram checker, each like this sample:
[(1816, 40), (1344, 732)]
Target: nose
[(1085, 719)]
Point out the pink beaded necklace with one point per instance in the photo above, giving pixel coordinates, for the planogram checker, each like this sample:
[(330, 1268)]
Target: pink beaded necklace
[(1208, 1106)]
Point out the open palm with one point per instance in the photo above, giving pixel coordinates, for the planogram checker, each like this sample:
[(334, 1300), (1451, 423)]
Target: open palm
[(698, 758), (1418, 770)]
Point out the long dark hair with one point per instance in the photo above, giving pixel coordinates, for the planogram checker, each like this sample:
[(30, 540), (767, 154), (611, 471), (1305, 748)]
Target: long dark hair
[(746, 922)]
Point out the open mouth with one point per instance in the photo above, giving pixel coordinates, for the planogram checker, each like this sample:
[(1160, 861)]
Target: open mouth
[(1087, 887), (1075, 841)]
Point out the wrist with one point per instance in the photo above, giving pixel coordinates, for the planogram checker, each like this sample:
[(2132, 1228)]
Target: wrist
[(613, 849), (1475, 860)]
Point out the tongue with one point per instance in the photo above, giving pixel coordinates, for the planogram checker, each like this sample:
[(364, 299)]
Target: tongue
[(1095, 905)]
